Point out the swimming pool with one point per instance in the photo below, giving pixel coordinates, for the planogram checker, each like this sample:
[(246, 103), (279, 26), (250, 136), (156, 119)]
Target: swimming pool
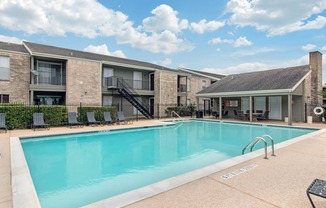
[(79, 169)]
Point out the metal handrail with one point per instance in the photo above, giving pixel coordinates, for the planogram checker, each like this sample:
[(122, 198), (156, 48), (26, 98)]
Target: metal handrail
[(254, 142), (272, 140), (175, 113), (258, 139)]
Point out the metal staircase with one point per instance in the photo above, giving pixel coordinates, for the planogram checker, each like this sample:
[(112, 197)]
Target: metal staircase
[(129, 94)]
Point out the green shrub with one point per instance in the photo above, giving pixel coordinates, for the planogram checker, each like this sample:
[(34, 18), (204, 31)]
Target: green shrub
[(20, 116)]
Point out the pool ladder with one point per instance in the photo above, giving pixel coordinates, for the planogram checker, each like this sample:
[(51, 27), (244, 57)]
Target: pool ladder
[(175, 113), (258, 139)]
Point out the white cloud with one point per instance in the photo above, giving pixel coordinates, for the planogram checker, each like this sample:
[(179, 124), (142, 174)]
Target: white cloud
[(103, 49), (203, 26), (241, 68), (215, 41), (242, 41), (253, 52), (165, 42), (9, 39), (277, 17), (165, 62), (165, 18), (91, 19), (308, 47), (323, 48)]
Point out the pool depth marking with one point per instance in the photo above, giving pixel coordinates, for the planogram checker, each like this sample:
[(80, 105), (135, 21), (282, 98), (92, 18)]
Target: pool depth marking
[(239, 171)]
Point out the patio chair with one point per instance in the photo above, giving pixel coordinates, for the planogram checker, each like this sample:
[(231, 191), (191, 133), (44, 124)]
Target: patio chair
[(72, 120), (121, 118), (236, 115), (38, 121), (107, 118), (317, 188), (3, 122), (225, 114), (91, 119), (264, 117)]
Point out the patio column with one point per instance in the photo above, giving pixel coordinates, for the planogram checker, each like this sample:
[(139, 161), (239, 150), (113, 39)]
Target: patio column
[(250, 107), (290, 109), (220, 108)]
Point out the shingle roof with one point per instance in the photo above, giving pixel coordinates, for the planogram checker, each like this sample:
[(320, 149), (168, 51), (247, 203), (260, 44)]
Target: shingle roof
[(284, 78), (203, 73), (13, 47), (51, 50)]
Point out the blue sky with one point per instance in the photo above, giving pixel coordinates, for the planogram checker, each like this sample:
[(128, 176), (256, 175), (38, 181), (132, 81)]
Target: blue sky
[(220, 36)]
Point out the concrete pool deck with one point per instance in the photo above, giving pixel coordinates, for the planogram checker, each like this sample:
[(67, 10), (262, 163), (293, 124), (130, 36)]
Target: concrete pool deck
[(280, 181)]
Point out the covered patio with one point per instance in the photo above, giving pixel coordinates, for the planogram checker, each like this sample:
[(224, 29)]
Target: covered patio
[(282, 94)]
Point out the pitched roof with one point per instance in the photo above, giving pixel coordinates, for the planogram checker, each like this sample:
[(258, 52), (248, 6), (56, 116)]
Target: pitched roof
[(13, 47), (276, 79), (203, 73), (36, 48)]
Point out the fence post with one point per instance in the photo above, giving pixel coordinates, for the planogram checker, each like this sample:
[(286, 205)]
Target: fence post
[(38, 107)]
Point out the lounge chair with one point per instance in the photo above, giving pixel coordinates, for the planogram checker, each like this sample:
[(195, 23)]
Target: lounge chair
[(91, 119), (317, 188), (121, 118), (3, 122), (72, 120), (264, 117), (107, 118), (38, 121)]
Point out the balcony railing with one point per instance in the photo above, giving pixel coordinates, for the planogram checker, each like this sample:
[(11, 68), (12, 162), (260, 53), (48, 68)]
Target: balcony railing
[(182, 88), (45, 78), (132, 84)]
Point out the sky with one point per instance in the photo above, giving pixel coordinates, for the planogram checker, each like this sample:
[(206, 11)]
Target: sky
[(218, 36)]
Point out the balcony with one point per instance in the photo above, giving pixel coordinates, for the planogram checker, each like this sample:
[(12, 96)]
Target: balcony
[(182, 88), (111, 82)]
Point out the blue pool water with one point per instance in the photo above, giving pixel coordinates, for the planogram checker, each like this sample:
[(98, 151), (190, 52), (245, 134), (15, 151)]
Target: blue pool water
[(79, 169)]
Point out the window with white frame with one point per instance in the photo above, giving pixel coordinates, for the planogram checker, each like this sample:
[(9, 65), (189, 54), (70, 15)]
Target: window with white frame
[(203, 84), (4, 68)]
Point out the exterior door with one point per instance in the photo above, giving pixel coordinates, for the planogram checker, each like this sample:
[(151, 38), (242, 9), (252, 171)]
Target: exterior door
[(151, 81), (107, 100), (138, 76), (151, 106), (275, 107), (107, 72)]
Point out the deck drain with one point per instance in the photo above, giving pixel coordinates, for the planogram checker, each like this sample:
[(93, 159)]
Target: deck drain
[(239, 171)]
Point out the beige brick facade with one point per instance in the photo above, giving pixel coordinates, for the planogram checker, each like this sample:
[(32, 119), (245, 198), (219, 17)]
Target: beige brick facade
[(83, 82), (18, 85)]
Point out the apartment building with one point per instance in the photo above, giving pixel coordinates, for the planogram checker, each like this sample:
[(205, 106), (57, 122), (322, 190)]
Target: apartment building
[(35, 73)]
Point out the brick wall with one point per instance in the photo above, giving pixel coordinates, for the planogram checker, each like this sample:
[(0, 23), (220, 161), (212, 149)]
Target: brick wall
[(18, 85), (83, 82)]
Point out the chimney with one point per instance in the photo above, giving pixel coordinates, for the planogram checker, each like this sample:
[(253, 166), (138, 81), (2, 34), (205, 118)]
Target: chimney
[(315, 63)]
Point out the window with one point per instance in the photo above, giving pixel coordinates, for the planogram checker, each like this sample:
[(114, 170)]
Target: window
[(107, 72), (50, 74), (188, 84), (4, 68), (4, 98), (203, 84)]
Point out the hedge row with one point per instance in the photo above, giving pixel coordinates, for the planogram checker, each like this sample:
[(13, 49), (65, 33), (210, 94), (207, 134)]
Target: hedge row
[(20, 116)]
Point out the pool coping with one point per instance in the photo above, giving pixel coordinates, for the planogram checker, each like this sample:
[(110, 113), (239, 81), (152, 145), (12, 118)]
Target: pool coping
[(24, 193)]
